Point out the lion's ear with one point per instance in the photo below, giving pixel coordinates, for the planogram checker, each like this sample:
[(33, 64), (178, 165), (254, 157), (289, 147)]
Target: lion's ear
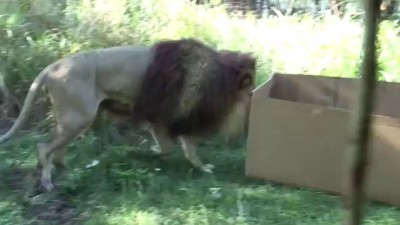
[(246, 82)]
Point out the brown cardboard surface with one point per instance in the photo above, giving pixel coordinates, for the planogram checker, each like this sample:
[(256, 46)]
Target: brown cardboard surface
[(299, 134)]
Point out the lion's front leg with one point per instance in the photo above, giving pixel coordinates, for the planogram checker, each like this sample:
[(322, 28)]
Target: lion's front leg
[(164, 144), (189, 146)]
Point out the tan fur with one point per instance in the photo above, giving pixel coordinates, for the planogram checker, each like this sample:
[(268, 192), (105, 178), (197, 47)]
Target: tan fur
[(78, 84)]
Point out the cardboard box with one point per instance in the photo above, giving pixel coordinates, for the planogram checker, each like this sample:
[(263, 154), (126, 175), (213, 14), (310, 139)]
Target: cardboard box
[(299, 134)]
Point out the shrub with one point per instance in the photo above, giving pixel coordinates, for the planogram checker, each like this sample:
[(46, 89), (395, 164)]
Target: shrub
[(296, 44)]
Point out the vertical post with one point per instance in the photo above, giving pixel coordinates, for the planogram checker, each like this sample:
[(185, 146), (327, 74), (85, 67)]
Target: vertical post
[(361, 118)]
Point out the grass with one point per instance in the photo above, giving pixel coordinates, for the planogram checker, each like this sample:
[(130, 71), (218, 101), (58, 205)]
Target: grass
[(130, 185)]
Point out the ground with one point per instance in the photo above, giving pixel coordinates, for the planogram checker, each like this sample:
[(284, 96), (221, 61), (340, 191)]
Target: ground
[(130, 185)]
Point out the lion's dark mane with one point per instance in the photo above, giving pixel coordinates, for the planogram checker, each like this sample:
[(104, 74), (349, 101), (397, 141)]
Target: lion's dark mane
[(163, 85)]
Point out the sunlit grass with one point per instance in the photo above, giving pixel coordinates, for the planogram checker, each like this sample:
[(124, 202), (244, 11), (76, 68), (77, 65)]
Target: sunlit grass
[(129, 186), (297, 44), (132, 186)]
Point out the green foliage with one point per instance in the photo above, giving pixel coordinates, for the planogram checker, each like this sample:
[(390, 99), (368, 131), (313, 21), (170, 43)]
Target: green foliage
[(389, 47), (129, 185), (296, 44)]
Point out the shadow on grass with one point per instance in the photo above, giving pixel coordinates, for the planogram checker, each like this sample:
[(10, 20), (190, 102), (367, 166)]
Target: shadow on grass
[(56, 209), (131, 185), (17, 174)]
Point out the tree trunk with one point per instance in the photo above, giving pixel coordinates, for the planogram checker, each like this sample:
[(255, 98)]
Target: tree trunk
[(10, 106), (359, 147)]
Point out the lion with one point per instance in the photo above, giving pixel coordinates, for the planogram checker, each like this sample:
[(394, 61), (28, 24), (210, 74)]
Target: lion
[(176, 89)]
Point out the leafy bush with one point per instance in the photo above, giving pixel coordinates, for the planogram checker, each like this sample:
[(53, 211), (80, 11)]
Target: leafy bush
[(295, 44)]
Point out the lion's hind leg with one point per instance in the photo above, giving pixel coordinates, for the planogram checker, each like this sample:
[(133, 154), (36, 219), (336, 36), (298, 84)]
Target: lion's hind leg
[(45, 155), (71, 122)]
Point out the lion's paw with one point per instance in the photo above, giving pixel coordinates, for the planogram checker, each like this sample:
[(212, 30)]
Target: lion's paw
[(158, 151), (47, 184), (155, 149), (208, 168)]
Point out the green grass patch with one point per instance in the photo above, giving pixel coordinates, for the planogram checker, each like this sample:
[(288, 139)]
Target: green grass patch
[(130, 185), (296, 44)]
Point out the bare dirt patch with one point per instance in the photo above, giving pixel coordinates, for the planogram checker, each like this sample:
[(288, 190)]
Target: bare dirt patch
[(44, 208)]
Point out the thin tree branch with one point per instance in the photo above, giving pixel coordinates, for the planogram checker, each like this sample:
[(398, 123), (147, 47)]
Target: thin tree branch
[(362, 118)]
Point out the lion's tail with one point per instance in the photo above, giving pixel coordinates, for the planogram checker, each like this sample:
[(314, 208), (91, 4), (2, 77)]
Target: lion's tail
[(33, 90)]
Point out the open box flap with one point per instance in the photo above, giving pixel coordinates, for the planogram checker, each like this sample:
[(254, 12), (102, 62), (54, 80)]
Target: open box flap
[(331, 92)]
